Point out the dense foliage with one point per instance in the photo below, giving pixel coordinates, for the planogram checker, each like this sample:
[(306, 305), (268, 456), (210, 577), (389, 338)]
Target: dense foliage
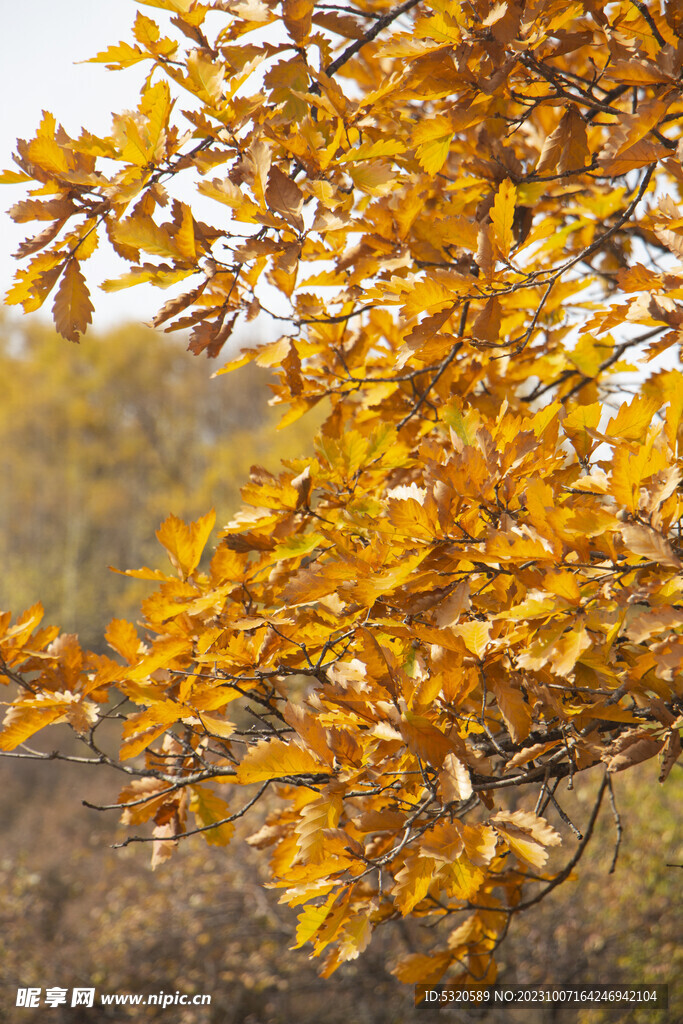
[(470, 591)]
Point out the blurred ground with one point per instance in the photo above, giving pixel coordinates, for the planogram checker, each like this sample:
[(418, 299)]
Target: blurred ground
[(75, 912)]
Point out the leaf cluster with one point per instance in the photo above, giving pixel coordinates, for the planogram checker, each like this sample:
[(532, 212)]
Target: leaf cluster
[(471, 588)]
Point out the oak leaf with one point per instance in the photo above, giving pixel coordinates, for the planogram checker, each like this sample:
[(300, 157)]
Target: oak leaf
[(72, 307)]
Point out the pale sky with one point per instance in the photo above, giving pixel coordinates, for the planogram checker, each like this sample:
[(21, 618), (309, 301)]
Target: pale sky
[(39, 44)]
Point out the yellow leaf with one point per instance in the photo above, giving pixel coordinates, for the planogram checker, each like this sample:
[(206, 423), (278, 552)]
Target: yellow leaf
[(565, 149), (309, 729), (566, 651), (432, 139), (208, 809), (217, 726), (22, 721), (315, 818), (185, 543), (463, 878), (141, 729), (310, 920), (514, 709), (33, 285), (123, 637), (530, 754), (428, 327), (207, 76), (45, 151), (631, 128), (373, 177), (527, 834), (162, 654), (475, 636), (502, 215), (633, 419), (412, 883), (443, 842), (628, 470), (184, 236), (643, 540), (141, 232), (156, 106), (121, 55), (277, 759), (427, 968), (424, 739), (577, 425), (480, 844), (146, 31)]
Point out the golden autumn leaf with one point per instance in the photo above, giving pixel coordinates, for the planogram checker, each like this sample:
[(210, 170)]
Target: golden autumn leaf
[(209, 812), (206, 76), (185, 543), (526, 834), (422, 967), (454, 779), (412, 883), (633, 419), (566, 147), (432, 139), (424, 739), (502, 216), (310, 920), (275, 759), (297, 16)]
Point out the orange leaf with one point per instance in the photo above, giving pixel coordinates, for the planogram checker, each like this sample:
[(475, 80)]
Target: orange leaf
[(72, 309), (185, 543), (297, 15)]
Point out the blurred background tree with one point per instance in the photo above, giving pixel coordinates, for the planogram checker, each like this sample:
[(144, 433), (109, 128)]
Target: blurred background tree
[(98, 443)]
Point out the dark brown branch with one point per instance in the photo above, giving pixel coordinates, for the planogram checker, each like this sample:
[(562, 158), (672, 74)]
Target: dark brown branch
[(378, 27), (650, 20), (195, 831)]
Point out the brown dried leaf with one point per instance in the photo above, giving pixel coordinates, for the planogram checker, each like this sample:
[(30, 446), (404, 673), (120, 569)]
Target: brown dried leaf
[(72, 309), (291, 364), (284, 196), (670, 753), (631, 748), (486, 327), (643, 540)]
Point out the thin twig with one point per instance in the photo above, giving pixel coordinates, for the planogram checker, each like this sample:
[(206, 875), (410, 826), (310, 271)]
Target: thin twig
[(617, 825)]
